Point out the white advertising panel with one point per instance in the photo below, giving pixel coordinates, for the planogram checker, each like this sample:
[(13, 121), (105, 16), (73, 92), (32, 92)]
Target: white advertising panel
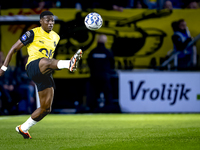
[(159, 92)]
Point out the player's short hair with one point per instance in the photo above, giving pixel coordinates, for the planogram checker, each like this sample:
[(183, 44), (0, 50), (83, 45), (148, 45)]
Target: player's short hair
[(44, 13)]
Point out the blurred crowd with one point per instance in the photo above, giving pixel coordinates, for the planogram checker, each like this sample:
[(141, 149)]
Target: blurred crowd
[(117, 5), (17, 91)]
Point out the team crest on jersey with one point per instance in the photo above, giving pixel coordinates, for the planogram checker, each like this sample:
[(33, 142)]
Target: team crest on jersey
[(55, 44)]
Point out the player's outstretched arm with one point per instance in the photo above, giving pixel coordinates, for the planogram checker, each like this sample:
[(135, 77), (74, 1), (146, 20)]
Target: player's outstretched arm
[(16, 47)]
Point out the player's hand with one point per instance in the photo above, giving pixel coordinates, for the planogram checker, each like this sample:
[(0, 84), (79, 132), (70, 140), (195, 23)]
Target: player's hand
[(1, 72)]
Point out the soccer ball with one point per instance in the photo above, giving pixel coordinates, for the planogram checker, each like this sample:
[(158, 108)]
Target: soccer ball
[(93, 21)]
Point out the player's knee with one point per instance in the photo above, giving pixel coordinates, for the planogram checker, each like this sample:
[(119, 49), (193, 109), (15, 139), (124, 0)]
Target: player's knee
[(48, 64)]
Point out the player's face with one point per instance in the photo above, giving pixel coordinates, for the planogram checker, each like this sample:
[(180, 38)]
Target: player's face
[(47, 23)]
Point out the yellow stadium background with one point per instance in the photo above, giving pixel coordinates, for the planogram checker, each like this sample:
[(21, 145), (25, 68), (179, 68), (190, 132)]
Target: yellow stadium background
[(127, 25)]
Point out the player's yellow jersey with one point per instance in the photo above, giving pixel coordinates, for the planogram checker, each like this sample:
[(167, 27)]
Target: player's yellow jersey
[(40, 43)]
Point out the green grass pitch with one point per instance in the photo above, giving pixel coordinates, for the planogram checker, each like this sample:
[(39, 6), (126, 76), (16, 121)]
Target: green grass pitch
[(104, 132)]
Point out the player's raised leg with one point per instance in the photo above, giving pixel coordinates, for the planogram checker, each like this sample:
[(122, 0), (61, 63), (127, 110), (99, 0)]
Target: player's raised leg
[(47, 65)]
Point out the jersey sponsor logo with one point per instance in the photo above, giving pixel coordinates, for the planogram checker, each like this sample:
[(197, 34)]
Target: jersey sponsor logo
[(47, 53), (41, 42), (24, 37), (55, 44)]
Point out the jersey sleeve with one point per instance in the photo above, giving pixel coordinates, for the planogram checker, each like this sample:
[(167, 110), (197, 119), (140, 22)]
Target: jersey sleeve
[(27, 37)]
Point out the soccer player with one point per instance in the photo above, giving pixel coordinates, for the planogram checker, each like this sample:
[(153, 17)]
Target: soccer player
[(41, 43)]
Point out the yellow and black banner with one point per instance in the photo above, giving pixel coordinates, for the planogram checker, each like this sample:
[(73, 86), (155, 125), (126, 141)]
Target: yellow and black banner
[(136, 36)]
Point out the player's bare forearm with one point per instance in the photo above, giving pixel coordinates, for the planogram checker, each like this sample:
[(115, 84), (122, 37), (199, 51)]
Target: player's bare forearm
[(16, 47)]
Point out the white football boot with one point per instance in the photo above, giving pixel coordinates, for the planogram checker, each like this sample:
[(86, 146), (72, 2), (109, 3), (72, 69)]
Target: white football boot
[(74, 60)]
